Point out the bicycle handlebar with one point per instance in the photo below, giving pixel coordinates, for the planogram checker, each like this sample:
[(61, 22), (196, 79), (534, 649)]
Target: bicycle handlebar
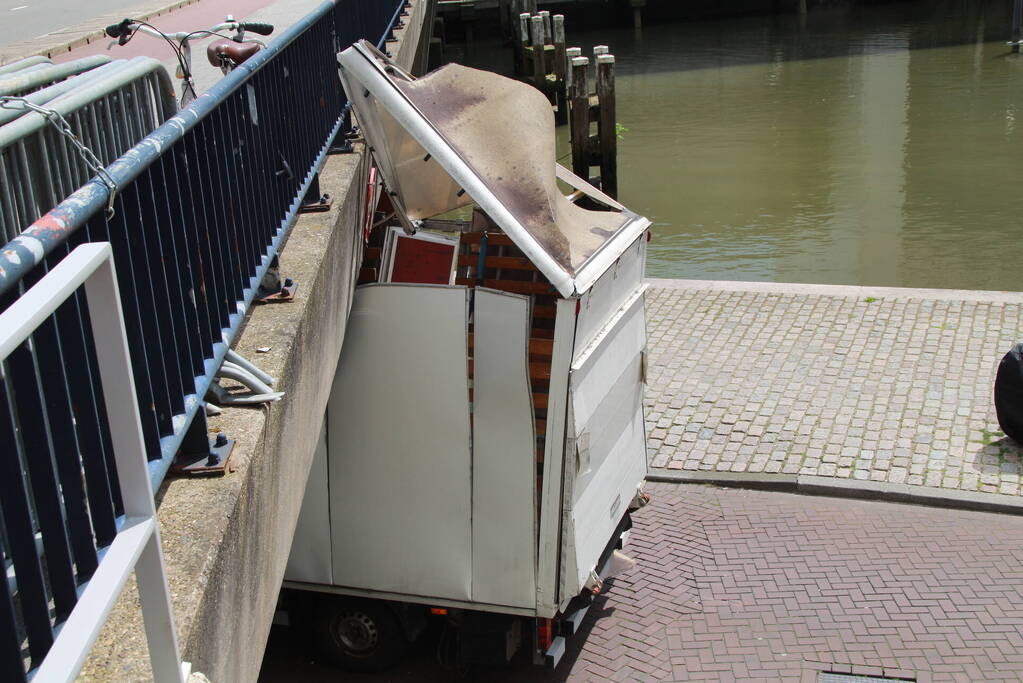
[(261, 29), (123, 30), (117, 30)]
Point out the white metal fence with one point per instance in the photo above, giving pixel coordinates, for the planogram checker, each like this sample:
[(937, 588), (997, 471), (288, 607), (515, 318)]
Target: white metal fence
[(136, 545)]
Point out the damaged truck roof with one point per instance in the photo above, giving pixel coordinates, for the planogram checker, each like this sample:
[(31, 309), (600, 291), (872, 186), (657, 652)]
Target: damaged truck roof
[(460, 135)]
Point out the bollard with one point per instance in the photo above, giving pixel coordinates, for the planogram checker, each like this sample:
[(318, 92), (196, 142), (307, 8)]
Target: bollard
[(1017, 17), (570, 54), (504, 16), (606, 129), (559, 46), (580, 118), (539, 68), (637, 13), (522, 66)]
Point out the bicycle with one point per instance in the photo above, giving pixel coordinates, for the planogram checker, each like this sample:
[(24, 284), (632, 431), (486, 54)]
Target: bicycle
[(226, 54)]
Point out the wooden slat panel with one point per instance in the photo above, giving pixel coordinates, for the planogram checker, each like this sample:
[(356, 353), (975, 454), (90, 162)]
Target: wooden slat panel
[(539, 401), (493, 239), (367, 275), (513, 286), (547, 312), (371, 253), (505, 262), (541, 371), (542, 347)]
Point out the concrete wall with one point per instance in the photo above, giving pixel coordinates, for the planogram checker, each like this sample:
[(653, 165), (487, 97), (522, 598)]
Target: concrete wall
[(226, 540)]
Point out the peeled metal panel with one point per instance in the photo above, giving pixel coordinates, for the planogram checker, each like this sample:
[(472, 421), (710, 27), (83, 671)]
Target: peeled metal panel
[(503, 469), (398, 433), (608, 439), (310, 559)]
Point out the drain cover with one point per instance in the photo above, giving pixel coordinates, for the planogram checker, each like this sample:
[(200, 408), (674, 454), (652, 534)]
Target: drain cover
[(829, 677)]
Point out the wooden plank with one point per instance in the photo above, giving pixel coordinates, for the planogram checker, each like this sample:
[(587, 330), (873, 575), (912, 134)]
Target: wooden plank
[(494, 239), (513, 286), (367, 275), (505, 262), (545, 312), (541, 347), (371, 254), (539, 371), (539, 401)]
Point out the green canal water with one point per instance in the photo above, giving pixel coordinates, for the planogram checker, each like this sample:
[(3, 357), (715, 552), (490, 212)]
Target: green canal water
[(876, 145)]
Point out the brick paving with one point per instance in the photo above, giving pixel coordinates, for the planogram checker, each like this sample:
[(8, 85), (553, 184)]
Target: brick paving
[(754, 585), (831, 381), (736, 585)]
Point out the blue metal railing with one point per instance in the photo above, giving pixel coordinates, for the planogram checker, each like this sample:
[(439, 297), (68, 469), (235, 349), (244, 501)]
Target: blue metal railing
[(202, 206)]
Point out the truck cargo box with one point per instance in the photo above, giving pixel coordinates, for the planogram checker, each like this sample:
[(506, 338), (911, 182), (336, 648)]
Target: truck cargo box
[(484, 442)]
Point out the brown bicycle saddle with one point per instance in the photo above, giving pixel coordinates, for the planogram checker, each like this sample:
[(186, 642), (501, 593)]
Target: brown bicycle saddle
[(236, 52)]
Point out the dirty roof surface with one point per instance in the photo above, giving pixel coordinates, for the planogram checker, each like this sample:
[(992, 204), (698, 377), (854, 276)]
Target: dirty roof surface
[(504, 129)]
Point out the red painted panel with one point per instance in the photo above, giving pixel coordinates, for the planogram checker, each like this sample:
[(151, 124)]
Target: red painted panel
[(422, 261)]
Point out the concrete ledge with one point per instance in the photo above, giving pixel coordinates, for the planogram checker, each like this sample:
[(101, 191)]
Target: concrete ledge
[(67, 39), (847, 488)]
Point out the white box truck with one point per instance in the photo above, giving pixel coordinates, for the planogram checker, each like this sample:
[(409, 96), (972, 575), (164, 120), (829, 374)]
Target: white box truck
[(484, 443)]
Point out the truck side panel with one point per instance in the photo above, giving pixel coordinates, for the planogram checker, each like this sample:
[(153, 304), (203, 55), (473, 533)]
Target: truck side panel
[(503, 469), (399, 461)]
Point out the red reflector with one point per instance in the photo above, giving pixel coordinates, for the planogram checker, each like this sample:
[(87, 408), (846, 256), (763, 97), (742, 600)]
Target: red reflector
[(438, 610), (578, 305), (649, 235), (545, 633)]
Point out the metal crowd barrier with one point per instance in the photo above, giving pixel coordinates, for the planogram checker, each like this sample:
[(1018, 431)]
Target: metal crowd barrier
[(24, 64), (41, 75), (109, 110), (194, 215)]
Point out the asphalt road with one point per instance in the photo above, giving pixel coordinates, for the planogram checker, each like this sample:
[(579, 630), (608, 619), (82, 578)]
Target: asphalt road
[(24, 19)]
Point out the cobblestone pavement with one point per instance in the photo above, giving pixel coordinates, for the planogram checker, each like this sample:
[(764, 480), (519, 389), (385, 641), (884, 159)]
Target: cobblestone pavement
[(735, 585), (875, 384)]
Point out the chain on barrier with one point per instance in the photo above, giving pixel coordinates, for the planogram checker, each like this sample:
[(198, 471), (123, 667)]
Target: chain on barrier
[(57, 120)]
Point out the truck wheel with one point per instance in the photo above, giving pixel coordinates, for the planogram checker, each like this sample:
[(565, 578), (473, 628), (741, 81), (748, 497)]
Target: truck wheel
[(359, 635)]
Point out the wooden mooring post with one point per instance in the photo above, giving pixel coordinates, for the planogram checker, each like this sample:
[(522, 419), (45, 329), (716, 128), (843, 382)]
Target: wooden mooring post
[(540, 57), (1017, 18), (601, 149)]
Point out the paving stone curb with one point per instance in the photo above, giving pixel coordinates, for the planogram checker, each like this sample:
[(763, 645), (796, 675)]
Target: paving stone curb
[(67, 39), (844, 488)]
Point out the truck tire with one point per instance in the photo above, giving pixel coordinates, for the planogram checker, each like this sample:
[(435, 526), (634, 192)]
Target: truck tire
[(358, 635)]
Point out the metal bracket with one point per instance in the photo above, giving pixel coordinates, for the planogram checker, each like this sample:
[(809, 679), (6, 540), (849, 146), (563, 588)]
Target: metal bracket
[(271, 289), (343, 147), (314, 201), (200, 455)]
